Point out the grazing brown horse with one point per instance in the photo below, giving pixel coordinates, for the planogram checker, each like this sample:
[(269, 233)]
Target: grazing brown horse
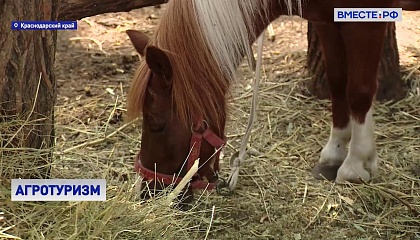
[(189, 63)]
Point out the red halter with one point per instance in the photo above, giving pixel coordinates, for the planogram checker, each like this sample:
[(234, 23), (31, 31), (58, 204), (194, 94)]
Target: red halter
[(197, 181)]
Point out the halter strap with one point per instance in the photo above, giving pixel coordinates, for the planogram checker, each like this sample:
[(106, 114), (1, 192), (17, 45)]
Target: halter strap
[(197, 137)]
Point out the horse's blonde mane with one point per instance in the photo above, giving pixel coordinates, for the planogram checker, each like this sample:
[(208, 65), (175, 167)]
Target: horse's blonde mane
[(226, 25), (205, 40)]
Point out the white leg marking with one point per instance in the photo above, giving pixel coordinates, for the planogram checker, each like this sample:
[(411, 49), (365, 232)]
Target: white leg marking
[(362, 160), (334, 152)]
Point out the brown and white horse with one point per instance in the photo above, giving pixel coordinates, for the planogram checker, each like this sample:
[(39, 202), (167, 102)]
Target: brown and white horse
[(189, 63)]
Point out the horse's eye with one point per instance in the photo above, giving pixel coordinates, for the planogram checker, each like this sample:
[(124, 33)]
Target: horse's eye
[(154, 124), (157, 129)]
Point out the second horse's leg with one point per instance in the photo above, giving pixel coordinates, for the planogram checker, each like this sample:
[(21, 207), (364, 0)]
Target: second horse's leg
[(363, 43), (334, 152)]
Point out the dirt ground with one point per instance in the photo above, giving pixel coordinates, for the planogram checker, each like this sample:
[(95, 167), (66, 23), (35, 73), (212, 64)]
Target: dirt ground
[(94, 67)]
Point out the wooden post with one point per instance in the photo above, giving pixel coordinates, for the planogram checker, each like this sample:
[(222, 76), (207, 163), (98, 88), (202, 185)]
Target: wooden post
[(78, 9), (27, 89)]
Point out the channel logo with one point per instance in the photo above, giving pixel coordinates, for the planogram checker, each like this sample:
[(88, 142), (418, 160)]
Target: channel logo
[(367, 14)]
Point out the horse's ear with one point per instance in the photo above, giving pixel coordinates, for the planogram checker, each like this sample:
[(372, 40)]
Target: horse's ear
[(158, 62), (139, 40)]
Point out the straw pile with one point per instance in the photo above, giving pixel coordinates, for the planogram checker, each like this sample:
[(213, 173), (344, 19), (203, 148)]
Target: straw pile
[(276, 198)]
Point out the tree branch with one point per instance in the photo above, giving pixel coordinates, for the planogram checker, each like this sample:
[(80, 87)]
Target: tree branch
[(71, 10), (408, 5)]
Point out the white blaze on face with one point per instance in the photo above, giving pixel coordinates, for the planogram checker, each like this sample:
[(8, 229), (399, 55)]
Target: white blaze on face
[(362, 160), (335, 151)]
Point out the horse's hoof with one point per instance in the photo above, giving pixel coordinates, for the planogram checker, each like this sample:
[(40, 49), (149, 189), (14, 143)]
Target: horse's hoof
[(322, 171)]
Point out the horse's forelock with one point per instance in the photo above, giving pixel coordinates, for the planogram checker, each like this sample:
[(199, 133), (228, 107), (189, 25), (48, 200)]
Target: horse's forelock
[(137, 92)]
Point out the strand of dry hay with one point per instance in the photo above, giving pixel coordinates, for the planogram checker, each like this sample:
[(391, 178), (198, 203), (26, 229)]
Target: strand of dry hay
[(185, 180)]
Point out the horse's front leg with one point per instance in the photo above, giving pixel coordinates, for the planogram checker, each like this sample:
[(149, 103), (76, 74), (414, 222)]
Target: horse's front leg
[(335, 151), (363, 42)]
